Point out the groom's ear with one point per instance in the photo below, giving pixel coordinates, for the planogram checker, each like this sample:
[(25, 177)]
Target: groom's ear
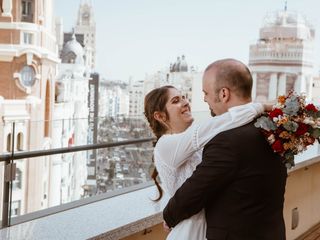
[(224, 95)]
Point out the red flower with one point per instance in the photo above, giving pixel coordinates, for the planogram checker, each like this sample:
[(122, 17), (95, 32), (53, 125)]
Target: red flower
[(277, 146), (275, 113), (302, 129), (311, 107)]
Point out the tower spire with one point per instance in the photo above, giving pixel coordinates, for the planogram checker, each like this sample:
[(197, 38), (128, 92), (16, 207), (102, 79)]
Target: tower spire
[(285, 5), (73, 37)]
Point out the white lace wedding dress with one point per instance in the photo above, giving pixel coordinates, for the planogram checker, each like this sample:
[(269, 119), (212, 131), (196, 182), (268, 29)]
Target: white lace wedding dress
[(177, 155)]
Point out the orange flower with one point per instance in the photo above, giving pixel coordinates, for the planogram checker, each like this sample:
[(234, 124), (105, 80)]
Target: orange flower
[(284, 135), (282, 99), (282, 121), (286, 146)]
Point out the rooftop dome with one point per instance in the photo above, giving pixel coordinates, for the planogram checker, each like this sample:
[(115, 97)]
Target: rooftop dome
[(72, 52)]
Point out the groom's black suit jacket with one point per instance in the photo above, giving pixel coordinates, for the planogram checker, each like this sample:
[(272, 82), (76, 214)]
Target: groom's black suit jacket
[(240, 183)]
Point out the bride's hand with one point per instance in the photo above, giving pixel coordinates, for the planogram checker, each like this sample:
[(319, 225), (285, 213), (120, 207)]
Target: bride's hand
[(166, 227)]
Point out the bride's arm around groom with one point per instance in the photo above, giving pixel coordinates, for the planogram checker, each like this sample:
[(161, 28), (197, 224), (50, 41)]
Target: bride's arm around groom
[(240, 182)]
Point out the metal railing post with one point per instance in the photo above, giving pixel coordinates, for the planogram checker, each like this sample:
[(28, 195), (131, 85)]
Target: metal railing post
[(9, 175)]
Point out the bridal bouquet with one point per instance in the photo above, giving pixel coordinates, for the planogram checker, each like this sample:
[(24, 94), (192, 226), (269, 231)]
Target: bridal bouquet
[(291, 126)]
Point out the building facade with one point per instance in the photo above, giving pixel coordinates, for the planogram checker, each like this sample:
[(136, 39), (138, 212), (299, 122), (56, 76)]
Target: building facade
[(114, 98), (70, 125), (282, 59), (136, 99), (28, 62)]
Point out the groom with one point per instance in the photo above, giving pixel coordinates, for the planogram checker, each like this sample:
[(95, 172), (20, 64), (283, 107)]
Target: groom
[(240, 182)]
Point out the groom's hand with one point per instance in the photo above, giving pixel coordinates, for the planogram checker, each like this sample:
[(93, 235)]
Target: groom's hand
[(166, 227)]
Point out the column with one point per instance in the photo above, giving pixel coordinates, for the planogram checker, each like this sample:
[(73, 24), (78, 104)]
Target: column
[(309, 87), (282, 84), (273, 83), (297, 84), (254, 86), (303, 84), (7, 8)]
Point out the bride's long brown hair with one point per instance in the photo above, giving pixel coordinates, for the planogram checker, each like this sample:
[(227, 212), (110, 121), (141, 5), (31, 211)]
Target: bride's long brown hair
[(155, 101)]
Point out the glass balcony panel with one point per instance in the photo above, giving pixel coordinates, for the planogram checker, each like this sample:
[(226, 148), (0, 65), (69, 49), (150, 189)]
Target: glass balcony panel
[(55, 180), (49, 181), (122, 167)]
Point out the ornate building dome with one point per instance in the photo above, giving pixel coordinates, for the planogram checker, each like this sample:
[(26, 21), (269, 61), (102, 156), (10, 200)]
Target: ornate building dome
[(286, 24), (72, 52), (285, 18)]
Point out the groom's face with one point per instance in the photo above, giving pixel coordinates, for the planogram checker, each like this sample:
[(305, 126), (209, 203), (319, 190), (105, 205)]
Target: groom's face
[(211, 94)]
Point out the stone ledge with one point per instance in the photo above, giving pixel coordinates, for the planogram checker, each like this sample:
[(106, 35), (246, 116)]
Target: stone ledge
[(131, 228), (111, 218)]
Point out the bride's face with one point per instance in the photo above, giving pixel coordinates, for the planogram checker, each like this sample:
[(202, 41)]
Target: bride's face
[(179, 111)]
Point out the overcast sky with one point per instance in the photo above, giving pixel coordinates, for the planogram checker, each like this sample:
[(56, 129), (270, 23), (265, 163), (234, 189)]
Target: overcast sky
[(138, 37)]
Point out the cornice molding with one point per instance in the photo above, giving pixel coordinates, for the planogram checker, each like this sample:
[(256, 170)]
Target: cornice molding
[(9, 51)]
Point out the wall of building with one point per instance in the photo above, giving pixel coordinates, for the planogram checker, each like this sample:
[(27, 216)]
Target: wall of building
[(303, 193), (9, 36), (28, 41)]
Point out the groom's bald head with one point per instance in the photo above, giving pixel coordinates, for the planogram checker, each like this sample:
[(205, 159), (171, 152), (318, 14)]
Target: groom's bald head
[(232, 74)]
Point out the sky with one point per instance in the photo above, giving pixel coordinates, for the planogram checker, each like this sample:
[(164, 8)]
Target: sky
[(139, 37)]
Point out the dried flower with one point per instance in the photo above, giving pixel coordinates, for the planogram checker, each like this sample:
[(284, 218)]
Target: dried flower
[(284, 135)]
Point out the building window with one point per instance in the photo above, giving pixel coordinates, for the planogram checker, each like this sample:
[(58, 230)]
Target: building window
[(44, 190), (20, 142), (27, 38), (27, 76), (9, 142), (27, 14), (26, 7), (15, 208), (16, 184)]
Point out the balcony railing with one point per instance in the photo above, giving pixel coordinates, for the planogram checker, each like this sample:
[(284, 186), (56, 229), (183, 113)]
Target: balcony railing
[(83, 165)]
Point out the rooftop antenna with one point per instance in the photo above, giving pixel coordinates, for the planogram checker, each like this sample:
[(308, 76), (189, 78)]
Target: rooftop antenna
[(73, 36), (285, 5)]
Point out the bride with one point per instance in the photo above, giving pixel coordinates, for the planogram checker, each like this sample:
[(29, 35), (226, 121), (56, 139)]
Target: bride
[(179, 145)]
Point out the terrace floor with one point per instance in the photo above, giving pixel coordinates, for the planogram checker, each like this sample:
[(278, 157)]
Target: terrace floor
[(312, 234)]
